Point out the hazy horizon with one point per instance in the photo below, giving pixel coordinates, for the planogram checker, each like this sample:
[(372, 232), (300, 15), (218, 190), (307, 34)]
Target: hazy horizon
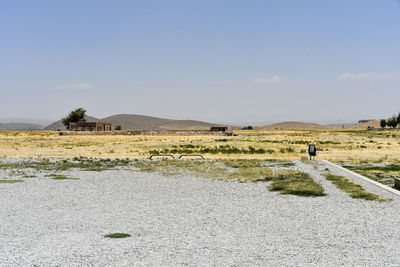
[(46, 122), (218, 61)]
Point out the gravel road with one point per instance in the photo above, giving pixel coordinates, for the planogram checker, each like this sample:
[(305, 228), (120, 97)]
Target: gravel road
[(189, 221)]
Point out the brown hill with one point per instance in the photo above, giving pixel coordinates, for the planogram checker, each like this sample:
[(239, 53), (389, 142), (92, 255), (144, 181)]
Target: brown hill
[(186, 125), (293, 125), (365, 125), (135, 122), (141, 122)]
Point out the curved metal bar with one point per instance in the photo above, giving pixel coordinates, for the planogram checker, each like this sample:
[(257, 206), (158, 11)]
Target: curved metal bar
[(161, 155), (191, 155)]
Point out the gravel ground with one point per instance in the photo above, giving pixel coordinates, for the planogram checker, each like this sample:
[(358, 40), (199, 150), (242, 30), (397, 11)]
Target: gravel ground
[(176, 221)]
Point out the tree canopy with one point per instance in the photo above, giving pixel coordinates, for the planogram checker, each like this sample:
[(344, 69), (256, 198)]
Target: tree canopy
[(392, 122), (77, 115), (383, 123)]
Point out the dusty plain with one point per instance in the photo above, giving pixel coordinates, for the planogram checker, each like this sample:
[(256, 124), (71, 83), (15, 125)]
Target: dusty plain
[(335, 145)]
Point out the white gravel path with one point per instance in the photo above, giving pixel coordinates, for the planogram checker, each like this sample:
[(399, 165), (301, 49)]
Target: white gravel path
[(189, 221)]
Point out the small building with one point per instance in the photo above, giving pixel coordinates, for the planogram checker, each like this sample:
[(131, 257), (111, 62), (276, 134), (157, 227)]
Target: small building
[(219, 129), (90, 126)]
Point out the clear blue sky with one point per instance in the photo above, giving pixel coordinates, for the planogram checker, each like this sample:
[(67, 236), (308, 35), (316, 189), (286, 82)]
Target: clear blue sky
[(215, 60)]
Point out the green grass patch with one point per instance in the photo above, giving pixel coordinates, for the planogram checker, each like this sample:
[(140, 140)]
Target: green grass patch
[(294, 183), (353, 189), (383, 174), (117, 235), (60, 177), (10, 181)]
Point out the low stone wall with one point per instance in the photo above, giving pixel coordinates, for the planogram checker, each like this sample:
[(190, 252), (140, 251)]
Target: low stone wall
[(148, 132)]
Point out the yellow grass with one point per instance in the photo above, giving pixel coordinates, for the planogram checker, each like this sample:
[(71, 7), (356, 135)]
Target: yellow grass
[(336, 145)]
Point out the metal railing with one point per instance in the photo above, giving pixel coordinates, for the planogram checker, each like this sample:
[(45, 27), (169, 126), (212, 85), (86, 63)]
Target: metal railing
[(161, 155), (191, 155), (180, 157)]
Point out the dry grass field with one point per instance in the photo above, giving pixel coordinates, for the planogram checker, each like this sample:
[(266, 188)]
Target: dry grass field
[(354, 146)]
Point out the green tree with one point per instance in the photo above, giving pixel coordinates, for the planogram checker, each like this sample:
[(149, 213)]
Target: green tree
[(118, 128), (392, 122), (77, 115), (383, 123), (398, 118)]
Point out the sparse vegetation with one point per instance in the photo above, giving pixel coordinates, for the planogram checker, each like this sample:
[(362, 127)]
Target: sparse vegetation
[(335, 145), (353, 189)]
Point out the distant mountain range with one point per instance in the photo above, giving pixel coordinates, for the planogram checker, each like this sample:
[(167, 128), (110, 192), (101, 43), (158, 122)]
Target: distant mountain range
[(26, 120), (20, 127), (22, 124), (142, 122)]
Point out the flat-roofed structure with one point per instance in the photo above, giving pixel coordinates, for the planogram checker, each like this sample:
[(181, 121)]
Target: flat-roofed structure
[(90, 126), (219, 129)]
